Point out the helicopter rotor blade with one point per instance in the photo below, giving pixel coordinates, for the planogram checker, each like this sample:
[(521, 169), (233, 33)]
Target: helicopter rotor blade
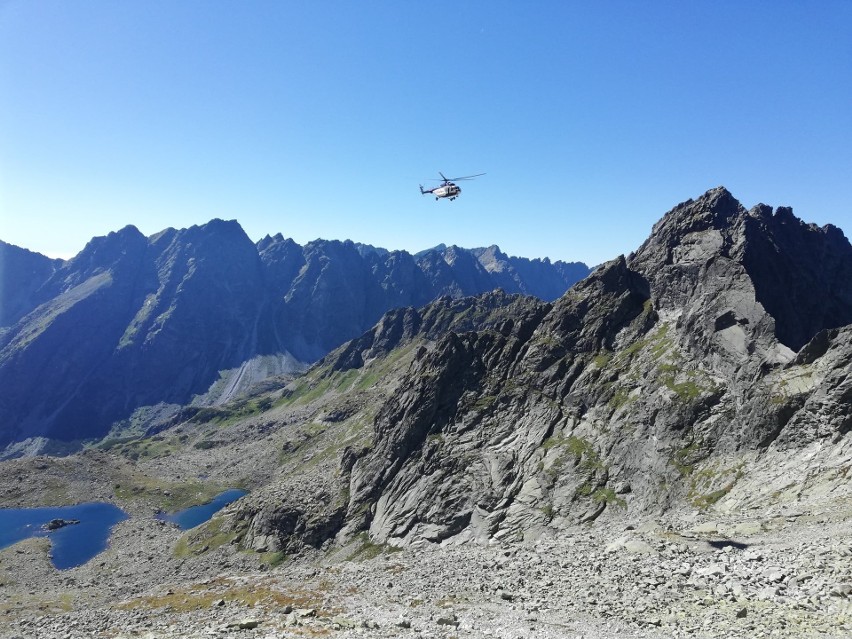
[(445, 179), (465, 177)]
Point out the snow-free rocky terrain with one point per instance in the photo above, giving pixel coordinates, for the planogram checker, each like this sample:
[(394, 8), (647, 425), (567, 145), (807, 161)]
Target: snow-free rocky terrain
[(664, 451), (133, 327)]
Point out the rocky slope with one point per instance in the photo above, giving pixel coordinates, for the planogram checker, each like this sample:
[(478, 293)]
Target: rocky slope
[(133, 325), (660, 382), (771, 559), (786, 580), (772, 566)]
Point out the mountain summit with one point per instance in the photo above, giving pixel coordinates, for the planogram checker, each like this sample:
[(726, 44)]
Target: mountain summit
[(800, 273)]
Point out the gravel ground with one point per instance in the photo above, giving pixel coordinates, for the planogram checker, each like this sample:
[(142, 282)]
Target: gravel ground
[(789, 576)]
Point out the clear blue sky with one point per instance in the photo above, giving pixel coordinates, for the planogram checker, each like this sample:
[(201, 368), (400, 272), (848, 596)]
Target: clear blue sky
[(320, 119)]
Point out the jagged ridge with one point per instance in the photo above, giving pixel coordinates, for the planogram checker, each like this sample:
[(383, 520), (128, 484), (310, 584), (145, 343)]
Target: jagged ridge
[(643, 388), (134, 322)]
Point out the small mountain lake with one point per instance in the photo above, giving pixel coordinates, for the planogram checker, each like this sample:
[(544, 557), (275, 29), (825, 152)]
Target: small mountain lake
[(78, 533), (73, 544), (197, 515)]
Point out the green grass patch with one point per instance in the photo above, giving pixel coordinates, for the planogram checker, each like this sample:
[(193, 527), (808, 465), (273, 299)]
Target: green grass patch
[(115, 443), (602, 359), (686, 391), (619, 398), (681, 459), (233, 411), (144, 448), (308, 389), (633, 348), (576, 447), (708, 477), (608, 496), (367, 550), (208, 536), (317, 383), (484, 402), (272, 559), (254, 594), (662, 344), (658, 342), (169, 496), (378, 370)]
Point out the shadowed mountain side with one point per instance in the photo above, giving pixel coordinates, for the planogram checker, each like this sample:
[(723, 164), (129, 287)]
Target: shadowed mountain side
[(134, 322), (22, 272)]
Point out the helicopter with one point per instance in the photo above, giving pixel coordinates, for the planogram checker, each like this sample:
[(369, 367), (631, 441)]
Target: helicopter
[(448, 187)]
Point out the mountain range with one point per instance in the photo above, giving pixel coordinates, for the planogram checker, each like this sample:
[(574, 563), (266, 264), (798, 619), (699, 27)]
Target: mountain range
[(708, 368), (663, 450), (133, 325)]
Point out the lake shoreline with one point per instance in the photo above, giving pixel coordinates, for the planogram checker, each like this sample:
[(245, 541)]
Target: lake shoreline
[(80, 532)]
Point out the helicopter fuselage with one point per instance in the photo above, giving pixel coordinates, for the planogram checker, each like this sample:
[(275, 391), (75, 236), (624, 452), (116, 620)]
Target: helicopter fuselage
[(448, 190)]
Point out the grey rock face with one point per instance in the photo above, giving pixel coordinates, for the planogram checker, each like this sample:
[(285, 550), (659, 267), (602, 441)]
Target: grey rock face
[(647, 386)]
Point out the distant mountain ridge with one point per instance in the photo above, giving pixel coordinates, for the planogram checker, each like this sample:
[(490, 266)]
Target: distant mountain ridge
[(135, 321), (21, 275)]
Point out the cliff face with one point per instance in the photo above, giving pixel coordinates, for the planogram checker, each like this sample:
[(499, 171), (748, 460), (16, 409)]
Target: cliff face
[(686, 375), (136, 322), (22, 272)]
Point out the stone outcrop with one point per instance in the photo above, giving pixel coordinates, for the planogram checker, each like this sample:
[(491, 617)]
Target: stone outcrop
[(56, 524)]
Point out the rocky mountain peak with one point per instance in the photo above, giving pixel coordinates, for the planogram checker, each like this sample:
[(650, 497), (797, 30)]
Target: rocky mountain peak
[(717, 209), (644, 385), (492, 258), (802, 273), (106, 249), (711, 255)]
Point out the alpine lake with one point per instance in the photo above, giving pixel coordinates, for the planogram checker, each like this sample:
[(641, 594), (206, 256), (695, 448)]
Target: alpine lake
[(78, 533)]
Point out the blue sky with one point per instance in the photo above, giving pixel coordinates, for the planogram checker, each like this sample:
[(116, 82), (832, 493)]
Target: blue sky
[(320, 119)]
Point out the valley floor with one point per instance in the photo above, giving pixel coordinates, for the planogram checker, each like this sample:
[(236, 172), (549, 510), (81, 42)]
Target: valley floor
[(787, 576)]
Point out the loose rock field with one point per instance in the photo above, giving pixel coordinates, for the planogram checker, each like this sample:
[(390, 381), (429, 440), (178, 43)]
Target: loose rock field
[(786, 577)]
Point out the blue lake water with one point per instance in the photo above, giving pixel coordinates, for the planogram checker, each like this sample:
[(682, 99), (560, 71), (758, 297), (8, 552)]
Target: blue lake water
[(72, 545), (197, 515)]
